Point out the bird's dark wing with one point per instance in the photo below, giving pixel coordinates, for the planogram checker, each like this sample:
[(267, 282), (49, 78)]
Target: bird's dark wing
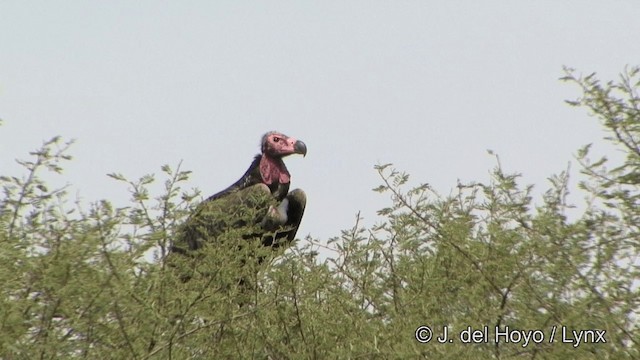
[(236, 215), (251, 177)]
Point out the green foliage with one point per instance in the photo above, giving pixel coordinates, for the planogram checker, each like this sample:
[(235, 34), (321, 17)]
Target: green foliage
[(98, 284)]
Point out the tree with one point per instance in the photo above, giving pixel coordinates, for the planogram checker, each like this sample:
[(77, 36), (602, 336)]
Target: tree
[(90, 284)]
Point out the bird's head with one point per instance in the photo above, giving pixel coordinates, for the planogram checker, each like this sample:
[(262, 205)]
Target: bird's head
[(277, 145)]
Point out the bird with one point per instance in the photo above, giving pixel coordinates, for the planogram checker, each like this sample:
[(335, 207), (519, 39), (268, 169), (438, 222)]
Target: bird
[(258, 207)]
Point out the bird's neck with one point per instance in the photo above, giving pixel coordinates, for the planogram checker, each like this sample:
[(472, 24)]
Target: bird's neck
[(273, 170)]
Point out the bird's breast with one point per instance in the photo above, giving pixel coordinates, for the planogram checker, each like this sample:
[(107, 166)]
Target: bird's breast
[(279, 190)]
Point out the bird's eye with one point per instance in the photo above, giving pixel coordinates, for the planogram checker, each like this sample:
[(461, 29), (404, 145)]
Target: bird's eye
[(276, 139)]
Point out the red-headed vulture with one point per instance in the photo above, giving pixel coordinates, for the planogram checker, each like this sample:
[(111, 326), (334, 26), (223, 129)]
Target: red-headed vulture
[(259, 206)]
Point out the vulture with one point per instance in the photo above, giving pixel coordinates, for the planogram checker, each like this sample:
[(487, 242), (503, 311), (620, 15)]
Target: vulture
[(258, 207)]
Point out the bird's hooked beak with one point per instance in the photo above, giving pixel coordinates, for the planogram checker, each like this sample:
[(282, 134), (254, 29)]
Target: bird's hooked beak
[(300, 148)]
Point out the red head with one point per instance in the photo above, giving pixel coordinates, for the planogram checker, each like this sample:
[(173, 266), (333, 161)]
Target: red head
[(277, 145)]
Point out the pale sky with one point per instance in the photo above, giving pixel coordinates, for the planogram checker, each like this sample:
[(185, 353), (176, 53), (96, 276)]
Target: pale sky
[(426, 85)]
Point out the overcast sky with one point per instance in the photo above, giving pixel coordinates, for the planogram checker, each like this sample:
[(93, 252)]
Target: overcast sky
[(426, 85)]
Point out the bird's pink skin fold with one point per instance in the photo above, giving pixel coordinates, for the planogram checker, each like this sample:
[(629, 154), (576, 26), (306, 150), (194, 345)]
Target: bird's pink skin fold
[(273, 169)]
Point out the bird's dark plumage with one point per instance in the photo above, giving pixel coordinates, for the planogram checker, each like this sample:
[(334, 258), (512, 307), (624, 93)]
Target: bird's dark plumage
[(259, 206)]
